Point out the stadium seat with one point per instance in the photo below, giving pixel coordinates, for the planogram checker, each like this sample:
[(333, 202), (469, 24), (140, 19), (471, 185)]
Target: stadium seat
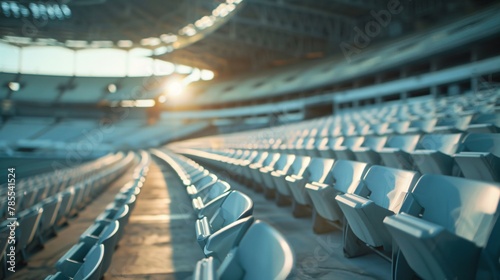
[(28, 220), (345, 150), (434, 153), (100, 233), (346, 177), (201, 184), (368, 151), (218, 244), (297, 168), (381, 193), (84, 267), (48, 219), (251, 259), (396, 152), (480, 157), (281, 166), (318, 170), (208, 194), (447, 226), (221, 212)]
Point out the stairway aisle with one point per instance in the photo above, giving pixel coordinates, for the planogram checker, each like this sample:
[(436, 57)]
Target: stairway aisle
[(159, 240)]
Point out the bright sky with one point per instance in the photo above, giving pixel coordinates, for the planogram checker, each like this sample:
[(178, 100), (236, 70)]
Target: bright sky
[(88, 62)]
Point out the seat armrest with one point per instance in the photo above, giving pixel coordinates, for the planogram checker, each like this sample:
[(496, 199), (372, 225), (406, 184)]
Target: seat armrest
[(205, 270), (203, 231)]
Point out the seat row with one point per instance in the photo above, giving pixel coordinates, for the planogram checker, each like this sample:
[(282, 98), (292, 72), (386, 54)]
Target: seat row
[(91, 257), (434, 226), (30, 191), (236, 245), (34, 225)]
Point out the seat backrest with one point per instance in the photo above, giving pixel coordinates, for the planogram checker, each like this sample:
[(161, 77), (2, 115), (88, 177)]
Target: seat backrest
[(335, 142), (284, 162), (235, 206), (206, 181), (215, 190), (388, 186), (319, 170), (406, 143), (91, 267), (353, 142), (271, 159), (263, 253), (347, 175), (260, 158), (482, 142), (299, 165), (445, 143), (375, 143), (467, 208)]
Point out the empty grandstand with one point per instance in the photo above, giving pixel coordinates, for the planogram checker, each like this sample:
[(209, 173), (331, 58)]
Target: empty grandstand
[(250, 139)]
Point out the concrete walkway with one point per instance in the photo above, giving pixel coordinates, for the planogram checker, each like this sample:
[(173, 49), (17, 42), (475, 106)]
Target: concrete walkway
[(159, 240)]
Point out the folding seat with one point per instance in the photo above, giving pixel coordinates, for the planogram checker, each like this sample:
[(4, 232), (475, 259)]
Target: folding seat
[(346, 176), (344, 151), (208, 194), (297, 168), (485, 123), (201, 184), (245, 166), (397, 151), (318, 170), (455, 124), (98, 233), (251, 258), (328, 146), (281, 166), (255, 170), (113, 213), (368, 151), (380, 194), (46, 227), (87, 267), (28, 221), (448, 229), (198, 176), (129, 200), (434, 153), (219, 213), (420, 126), (480, 157)]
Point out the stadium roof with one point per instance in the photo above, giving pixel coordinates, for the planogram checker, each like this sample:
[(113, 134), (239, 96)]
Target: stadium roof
[(229, 37)]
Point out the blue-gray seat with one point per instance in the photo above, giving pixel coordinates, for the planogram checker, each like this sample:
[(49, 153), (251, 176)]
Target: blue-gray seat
[(201, 184), (251, 259), (318, 170), (480, 157), (103, 233), (448, 228), (48, 219), (28, 224), (281, 166), (67, 197), (397, 151), (434, 153), (368, 151), (115, 212), (297, 168), (221, 212), (84, 267), (381, 193), (208, 194), (344, 151), (346, 177)]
